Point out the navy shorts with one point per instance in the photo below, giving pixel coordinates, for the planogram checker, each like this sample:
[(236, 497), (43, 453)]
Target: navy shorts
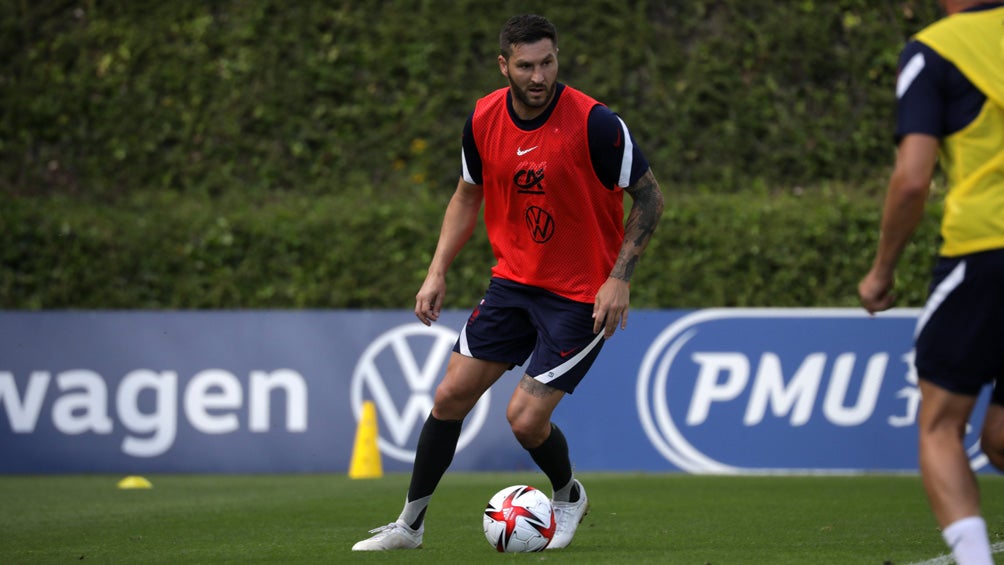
[(960, 333), (514, 322)]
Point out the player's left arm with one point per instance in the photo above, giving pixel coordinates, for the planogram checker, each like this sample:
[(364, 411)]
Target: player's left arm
[(619, 163), (612, 303)]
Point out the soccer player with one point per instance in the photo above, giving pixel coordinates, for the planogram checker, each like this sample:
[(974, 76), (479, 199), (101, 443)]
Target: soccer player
[(550, 165), (950, 94)]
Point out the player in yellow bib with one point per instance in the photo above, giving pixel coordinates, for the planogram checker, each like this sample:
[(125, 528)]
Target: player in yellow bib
[(950, 104)]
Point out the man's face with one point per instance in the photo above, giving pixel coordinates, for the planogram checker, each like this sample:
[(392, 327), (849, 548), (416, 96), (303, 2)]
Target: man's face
[(532, 70)]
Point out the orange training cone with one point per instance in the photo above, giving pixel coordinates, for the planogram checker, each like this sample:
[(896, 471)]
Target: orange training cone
[(366, 453)]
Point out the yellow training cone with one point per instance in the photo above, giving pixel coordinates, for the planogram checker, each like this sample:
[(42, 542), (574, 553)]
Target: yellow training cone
[(134, 482), (366, 454)]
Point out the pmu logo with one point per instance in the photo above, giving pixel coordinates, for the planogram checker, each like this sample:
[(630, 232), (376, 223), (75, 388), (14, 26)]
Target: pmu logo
[(399, 371), (540, 224), (784, 390)]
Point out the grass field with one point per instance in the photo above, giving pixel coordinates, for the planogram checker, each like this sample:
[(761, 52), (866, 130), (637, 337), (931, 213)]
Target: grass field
[(635, 518)]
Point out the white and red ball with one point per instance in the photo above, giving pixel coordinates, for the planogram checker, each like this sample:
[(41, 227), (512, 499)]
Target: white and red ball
[(519, 519)]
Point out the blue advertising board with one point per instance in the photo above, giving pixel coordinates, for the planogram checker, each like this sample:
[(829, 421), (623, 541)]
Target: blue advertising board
[(733, 391)]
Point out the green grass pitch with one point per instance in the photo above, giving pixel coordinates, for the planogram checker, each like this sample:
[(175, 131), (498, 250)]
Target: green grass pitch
[(634, 518)]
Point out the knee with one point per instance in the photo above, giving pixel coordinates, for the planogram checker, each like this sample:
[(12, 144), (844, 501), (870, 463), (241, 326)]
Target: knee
[(992, 435), (992, 445), (529, 431), (451, 403)]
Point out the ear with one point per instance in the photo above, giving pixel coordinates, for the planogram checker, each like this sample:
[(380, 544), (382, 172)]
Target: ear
[(503, 66)]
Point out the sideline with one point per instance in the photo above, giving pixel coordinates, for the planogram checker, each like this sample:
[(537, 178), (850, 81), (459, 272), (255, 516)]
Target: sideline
[(949, 560)]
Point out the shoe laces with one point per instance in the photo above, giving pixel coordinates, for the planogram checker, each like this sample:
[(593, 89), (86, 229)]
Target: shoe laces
[(562, 512), (385, 530)]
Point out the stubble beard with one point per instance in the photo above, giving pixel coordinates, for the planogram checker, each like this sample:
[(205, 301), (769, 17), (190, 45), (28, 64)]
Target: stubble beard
[(523, 97)]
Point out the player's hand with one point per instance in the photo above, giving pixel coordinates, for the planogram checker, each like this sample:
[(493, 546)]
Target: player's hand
[(611, 306), (429, 300), (875, 292)]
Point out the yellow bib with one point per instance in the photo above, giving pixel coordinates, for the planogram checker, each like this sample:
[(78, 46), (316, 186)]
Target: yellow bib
[(973, 158)]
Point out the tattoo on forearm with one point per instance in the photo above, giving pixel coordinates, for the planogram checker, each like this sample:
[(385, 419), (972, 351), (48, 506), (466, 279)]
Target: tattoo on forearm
[(641, 223)]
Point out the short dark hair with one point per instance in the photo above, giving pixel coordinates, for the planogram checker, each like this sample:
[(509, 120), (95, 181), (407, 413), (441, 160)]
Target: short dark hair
[(528, 28)]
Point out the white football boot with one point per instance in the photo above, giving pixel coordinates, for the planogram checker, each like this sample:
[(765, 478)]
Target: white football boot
[(396, 535), (567, 516)]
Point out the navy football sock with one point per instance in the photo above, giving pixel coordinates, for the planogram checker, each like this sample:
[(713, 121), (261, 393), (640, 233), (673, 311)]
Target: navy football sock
[(552, 458), (436, 446)]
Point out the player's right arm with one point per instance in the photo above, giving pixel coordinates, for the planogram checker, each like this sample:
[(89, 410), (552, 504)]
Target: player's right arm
[(458, 224), (919, 119), (902, 212)]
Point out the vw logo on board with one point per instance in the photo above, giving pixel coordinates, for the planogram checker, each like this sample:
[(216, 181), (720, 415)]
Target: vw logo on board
[(399, 371)]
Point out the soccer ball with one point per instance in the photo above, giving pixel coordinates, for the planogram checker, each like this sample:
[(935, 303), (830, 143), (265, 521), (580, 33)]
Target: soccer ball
[(519, 519)]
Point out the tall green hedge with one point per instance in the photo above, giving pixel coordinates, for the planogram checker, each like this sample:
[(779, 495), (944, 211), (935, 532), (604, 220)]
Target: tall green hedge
[(115, 96), (267, 154), (163, 250)]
